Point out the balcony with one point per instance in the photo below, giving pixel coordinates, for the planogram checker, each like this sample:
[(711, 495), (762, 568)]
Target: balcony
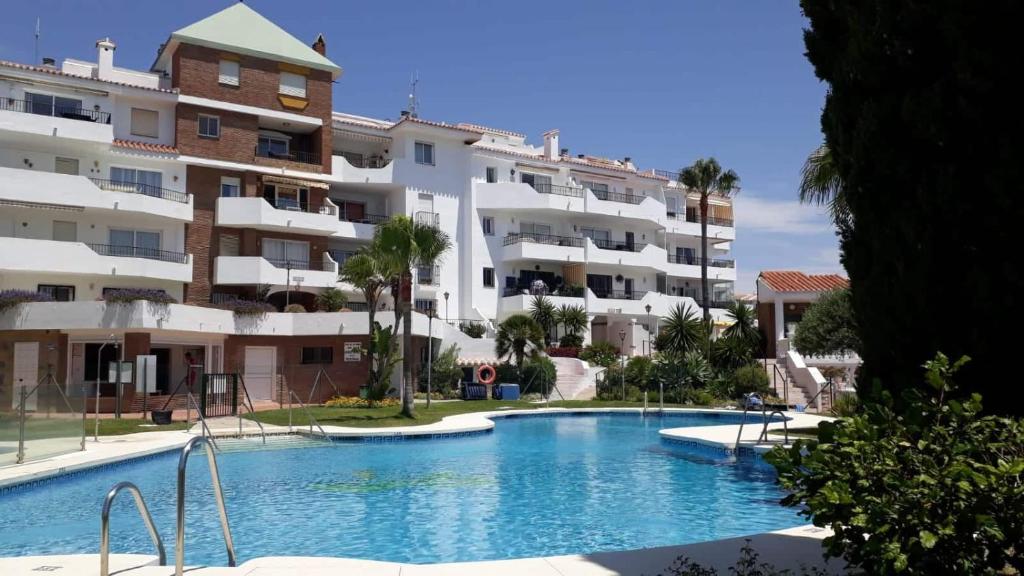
[(358, 227), (514, 301), (633, 206), (616, 197), (624, 253), (56, 257), (304, 160), (249, 270), (719, 229), (697, 261), (36, 188), (428, 219), (359, 169), (48, 121), (286, 216), (689, 267), (546, 247), (517, 196)]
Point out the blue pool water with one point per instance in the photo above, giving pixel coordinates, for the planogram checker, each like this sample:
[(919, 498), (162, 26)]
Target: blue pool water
[(536, 486)]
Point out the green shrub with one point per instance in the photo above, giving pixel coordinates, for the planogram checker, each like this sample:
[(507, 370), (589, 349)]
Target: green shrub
[(747, 564), (294, 309), (600, 354), (506, 373), (747, 379), (570, 341), (331, 300), (936, 489), (538, 375), (445, 372), (473, 329), (846, 404)]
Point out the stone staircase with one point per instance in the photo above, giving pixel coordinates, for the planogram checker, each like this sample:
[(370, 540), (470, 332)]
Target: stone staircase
[(573, 380), (787, 388)]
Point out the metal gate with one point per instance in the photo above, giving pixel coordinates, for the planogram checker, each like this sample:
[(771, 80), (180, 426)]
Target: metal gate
[(219, 395)]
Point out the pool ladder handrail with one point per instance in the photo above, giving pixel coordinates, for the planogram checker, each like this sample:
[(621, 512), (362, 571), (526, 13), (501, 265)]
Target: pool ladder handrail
[(309, 416), (140, 505), (247, 403), (179, 540), (766, 418)]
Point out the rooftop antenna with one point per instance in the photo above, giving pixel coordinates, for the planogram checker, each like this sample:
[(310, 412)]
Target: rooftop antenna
[(35, 59), (413, 100)]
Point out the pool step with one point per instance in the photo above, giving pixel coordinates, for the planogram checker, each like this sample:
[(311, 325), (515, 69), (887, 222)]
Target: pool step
[(274, 442)]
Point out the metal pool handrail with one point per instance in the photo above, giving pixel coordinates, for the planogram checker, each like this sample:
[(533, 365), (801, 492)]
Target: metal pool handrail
[(140, 505), (218, 492), (247, 403), (766, 418), (190, 403), (309, 415)]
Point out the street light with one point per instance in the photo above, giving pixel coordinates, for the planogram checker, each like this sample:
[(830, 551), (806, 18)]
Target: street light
[(446, 295), (430, 351), (622, 362), (650, 328)]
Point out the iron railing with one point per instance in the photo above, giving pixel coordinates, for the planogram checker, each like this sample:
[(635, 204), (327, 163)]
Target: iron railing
[(363, 161), (572, 191), (568, 241), (620, 294), (428, 275), (672, 175), (57, 111), (139, 252), (300, 156), (712, 220), (697, 260), (312, 265), (373, 219), (428, 218), (357, 306), (139, 188), (618, 197), (621, 245), (293, 205)]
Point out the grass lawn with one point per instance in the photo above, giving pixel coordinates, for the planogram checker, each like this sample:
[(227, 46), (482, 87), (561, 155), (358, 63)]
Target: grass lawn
[(390, 416)]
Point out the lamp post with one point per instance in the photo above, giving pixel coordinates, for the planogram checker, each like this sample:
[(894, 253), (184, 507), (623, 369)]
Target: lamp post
[(430, 351), (446, 295), (622, 362), (650, 328)]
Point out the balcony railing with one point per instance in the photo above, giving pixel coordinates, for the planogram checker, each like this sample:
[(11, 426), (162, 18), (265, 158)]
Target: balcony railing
[(621, 245), (374, 219), (712, 220), (572, 191), (552, 240), (311, 265), (139, 252), (428, 275), (428, 218), (139, 188), (341, 256), (294, 205), (672, 175), (617, 197), (57, 111), (697, 260), (562, 292), (357, 306), (301, 156), (619, 294), (363, 161)]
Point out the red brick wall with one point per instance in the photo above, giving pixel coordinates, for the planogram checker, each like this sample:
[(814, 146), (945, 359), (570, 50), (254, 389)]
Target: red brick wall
[(238, 134), (195, 73)]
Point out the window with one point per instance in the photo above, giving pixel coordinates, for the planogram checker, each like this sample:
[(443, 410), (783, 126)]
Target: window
[(597, 235), (539, 182), (136, 243), (58, 293), (48, 105), (425, 153), (492, 174), (230, 187), (424, 305), (488, 277), (317, 355), (228, 72), (283, 252), (488, 223), (292, 85), (209, 126), (65, 231), (533, 228), (145, 123), (272, 145), (145, 182), (671, 205), (286, 197), (66, 166)]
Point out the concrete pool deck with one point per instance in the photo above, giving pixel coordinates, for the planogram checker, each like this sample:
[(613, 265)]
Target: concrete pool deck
[(786, 548)]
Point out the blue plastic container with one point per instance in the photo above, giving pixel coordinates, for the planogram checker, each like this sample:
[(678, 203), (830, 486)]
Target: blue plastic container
[(508, 391)]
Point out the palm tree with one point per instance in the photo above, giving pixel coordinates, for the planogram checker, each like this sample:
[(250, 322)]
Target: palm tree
[(682, 331), (572, 318), (742, 327), (706, 177), (371, 275), (821, 184), (544, 313), (405, 244), (518, 336)]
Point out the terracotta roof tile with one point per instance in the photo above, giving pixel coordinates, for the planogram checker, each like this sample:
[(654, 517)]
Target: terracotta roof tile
[(478, 127), (793, 281), (145, 146), (56, 72)]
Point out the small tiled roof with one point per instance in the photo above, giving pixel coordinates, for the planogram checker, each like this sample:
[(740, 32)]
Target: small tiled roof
[(145, 146), (793, 281), (479, 128), (56, 72)]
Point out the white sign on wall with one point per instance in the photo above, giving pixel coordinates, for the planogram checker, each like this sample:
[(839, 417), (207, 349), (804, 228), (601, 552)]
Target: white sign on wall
[(353, 351), (145, 374)]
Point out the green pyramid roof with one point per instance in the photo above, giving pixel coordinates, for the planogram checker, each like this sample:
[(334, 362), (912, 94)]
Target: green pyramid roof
[(239, 28)]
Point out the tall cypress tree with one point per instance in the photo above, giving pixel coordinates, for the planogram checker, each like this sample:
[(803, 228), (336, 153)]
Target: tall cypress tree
[(924, 117)]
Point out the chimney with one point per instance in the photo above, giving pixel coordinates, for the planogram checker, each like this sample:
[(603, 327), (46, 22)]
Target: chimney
[(319, 45), (105, 58), (551, 144), (629, 163), (563, 152)]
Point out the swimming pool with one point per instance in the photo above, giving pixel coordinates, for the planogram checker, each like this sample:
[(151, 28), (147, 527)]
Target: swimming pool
[(536, 486)]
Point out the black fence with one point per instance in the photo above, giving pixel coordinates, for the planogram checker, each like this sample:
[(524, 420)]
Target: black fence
[(139, 188), (139, 252), (374, 219), (571, 191), (621, 245), (296, 264), (516, 238), (617, 197), (55, 110), (697, 260), (301, 156), (219, 395)]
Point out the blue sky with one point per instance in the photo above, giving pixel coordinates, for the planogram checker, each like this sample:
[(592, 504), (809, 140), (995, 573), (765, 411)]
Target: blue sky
[(664, 82)]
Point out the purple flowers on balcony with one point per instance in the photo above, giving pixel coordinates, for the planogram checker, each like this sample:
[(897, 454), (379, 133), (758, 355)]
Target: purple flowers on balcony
[(11, 298), (245, 307), (129, 295)]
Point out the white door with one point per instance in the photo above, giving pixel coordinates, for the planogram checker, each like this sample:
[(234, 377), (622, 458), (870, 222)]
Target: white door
[(260, 366), (26, 372)]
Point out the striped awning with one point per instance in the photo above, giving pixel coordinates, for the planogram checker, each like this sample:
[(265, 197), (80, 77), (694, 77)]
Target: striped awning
[(270, 179)]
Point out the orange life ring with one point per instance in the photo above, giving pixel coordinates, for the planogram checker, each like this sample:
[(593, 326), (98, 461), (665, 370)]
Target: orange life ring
[(480, 374)]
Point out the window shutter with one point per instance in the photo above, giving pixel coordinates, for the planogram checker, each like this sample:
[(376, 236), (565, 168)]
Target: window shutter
[(293, 84), (229, 70), (145, 123)]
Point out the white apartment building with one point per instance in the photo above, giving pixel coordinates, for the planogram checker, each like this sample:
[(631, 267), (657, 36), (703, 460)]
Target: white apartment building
[(195, 179)]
